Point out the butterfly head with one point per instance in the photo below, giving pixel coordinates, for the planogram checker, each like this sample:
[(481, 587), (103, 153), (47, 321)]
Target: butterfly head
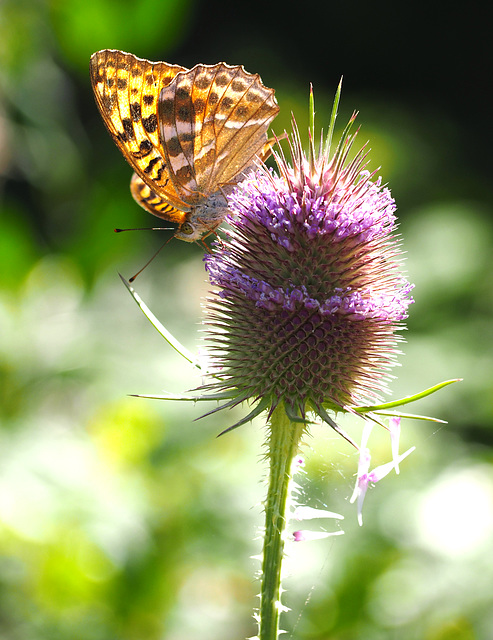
[(203, 217), (188, 232)]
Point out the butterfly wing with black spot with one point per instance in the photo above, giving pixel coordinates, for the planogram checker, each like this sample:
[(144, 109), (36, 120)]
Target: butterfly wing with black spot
[(127, 90)]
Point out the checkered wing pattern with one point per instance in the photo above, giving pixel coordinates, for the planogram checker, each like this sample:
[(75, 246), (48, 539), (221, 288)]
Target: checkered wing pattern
[(127, 89), (188, 134)]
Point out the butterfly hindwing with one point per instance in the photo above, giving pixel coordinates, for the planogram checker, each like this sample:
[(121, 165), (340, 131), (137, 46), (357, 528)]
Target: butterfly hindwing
[(235, 126), (213, 121), (127, 93), (153, 202), (176, 116)]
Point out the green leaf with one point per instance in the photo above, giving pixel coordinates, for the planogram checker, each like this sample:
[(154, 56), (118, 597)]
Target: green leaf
[(406, 400), (170, 339), (172, 396), (414, 416)]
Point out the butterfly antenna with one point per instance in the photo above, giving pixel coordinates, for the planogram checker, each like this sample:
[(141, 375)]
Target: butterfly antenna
[(146, 229), (150, 260)]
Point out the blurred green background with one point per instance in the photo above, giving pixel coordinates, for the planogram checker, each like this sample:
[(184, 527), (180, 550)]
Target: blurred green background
[(123, 518)]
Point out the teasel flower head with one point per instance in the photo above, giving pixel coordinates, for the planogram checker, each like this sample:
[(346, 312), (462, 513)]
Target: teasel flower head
[(309, 287)]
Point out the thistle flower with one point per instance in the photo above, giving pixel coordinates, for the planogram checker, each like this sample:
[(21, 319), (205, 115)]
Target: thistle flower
[(310, 295), (309, 298), (310, 291)]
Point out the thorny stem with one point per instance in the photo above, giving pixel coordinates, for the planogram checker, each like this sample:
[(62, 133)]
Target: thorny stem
[(283, 443)]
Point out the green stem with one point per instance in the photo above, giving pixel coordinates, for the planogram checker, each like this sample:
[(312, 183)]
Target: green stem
[(283, 443)]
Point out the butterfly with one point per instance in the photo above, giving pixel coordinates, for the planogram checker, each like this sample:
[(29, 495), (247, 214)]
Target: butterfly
[(189, 134)]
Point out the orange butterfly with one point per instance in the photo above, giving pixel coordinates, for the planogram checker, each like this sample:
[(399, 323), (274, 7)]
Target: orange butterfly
[(189, 135)]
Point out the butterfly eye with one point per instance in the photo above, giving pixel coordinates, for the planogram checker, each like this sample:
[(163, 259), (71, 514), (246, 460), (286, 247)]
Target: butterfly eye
[(187, 228)]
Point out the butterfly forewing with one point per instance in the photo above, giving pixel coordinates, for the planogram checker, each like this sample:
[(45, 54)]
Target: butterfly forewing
[(127, 91)]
